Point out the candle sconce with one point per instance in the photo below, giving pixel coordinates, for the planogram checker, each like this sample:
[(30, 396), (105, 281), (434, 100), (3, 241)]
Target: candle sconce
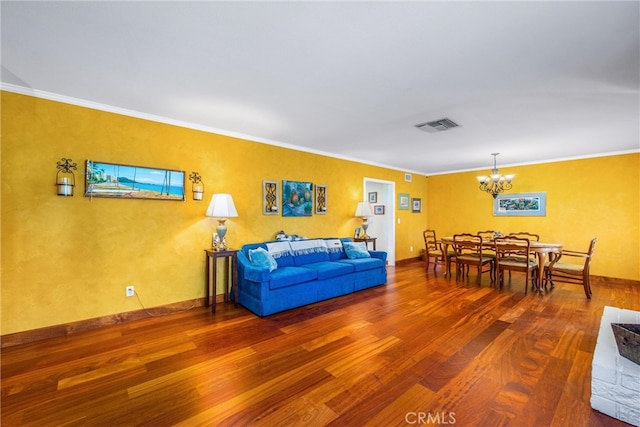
[(197, 186), (65, 178)]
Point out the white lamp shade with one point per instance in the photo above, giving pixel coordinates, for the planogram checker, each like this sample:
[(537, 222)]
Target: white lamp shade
[(364, 210), (221, 206)]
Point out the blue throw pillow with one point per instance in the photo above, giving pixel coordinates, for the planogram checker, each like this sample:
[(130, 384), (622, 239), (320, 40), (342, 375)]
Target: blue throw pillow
[(356, 250), (263, 259)]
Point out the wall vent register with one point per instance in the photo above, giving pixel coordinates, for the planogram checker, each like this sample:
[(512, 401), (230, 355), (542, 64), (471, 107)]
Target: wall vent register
[(437, 125)]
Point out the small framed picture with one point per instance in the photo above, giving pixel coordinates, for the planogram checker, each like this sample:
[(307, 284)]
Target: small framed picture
[(416, 205), (378, 210), (373, 197), (403, 201), (357, 233)]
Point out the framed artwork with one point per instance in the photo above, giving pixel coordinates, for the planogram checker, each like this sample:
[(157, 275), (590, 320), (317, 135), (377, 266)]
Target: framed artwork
[(357, 233), (270, 198), (403, 201), (120, 181), (378, 210), (416, 205), (522, 204), (297, 198), (373, 197), (321, 199)]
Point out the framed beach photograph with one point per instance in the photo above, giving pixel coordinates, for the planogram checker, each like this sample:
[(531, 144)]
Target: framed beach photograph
[(297, 198), (120, 181), (416, 205), (522, 204), (378, 210), (403, 201)]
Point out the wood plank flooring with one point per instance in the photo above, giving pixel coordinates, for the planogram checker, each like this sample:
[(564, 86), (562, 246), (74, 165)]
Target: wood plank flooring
[(422, 350)]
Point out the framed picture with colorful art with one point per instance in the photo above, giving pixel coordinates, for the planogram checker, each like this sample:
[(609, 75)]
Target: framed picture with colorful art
[(297, 198)]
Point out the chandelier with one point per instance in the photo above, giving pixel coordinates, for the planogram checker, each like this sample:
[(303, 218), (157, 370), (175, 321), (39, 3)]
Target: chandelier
[(495, 183)]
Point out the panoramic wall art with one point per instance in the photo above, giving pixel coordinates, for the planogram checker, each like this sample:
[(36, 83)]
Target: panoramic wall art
[(133, 182), (523, 204), (297, 198)]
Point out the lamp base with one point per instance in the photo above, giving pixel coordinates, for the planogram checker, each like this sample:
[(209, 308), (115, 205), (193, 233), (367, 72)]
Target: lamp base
[(365, 225), (222, 231)]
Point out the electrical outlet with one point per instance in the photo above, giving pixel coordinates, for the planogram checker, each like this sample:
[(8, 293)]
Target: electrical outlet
[(410, 248), (129, 291)]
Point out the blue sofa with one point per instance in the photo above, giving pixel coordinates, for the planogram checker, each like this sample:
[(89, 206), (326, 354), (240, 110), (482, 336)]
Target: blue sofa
[(302, 272)]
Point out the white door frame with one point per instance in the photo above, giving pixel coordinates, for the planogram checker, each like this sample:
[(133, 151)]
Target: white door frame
[(383, 225)]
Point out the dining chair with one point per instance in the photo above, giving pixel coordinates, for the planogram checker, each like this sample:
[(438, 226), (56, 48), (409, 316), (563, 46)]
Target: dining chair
[(469, 251), (525, 235), (514, 254), (433, 249), (574, 268), (488, 236)]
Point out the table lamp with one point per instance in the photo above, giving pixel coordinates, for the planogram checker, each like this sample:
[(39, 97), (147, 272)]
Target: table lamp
[(222, 207), (364, 211)]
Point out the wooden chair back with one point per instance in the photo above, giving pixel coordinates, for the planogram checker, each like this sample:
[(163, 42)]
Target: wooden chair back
[(572, 267), (525, 235), (433, 249), (514, 254), (469, 251)]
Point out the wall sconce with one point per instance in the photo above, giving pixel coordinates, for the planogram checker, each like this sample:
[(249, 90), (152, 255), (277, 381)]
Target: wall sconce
[(197, 187), (65, 178)]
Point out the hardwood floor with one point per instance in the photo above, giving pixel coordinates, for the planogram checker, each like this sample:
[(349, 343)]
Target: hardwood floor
[(422, 350)]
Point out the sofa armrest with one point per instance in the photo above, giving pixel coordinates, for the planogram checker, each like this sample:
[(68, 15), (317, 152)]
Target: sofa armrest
[(379, 254), (250, 271)]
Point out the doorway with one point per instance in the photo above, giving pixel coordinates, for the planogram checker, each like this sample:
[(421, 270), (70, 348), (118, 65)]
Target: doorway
[(382, 224)]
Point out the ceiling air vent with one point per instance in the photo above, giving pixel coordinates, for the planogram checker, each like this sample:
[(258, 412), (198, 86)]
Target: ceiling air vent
[(437, 125)]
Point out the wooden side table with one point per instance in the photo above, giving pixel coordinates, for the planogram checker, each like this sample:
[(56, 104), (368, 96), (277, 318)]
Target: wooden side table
[(367, 240), (230, 257)]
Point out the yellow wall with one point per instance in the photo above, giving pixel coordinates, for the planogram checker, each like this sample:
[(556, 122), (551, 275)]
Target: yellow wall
[(587, 198), (67, 259)]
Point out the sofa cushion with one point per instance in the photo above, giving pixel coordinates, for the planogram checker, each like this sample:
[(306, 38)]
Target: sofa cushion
[(287, 276), (356, 250), (309, 251), (336, 251), (329, 269), (281, 252), (361, 264), (263, 259)]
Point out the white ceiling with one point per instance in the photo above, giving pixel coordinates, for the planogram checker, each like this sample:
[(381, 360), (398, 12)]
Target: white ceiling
[(534, 81)]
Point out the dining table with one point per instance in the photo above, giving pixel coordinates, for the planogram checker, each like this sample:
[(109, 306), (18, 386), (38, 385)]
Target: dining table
[(541, 249)]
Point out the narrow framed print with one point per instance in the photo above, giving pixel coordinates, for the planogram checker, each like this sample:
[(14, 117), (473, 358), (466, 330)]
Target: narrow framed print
[(270, 198), (321, 199)]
